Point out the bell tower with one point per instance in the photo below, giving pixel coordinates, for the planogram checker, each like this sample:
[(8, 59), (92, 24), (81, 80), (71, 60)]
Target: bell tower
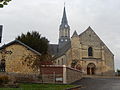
[(64, 31)]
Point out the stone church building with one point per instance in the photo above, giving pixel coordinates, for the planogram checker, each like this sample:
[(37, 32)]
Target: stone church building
[(85, 51)]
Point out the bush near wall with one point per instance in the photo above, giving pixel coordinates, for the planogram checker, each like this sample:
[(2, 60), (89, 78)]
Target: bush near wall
[(25, 78), (118, 72), (4, 79), (18, 78)]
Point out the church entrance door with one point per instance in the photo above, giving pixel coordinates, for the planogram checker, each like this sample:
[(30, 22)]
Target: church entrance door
[(91, 69), (88, 71)]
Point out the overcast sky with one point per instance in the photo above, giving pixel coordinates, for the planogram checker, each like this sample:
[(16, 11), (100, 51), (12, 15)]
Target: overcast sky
[(45, 16)]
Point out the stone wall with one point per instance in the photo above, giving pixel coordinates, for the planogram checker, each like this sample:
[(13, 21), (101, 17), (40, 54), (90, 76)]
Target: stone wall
[(21, 78), (109, 61), (52, 74), (60, 74), (61, 60), (72, 75), (20, 60)]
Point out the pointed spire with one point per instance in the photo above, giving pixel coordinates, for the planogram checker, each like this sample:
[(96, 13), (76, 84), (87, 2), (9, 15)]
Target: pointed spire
[(75, 34), (64, 18)]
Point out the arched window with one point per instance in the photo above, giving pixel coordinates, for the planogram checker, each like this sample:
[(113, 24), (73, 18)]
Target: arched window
[(2, 65), (90, 51), (58, 62), (62, 62)]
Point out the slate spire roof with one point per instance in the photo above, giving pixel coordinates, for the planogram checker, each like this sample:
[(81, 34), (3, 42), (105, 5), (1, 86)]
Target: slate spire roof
[(64, 18)]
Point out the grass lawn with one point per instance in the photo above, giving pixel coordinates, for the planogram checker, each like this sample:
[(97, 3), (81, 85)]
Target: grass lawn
[(40, 87)]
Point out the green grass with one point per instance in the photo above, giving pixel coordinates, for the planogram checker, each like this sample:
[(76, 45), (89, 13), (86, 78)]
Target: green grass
[(40, 87)]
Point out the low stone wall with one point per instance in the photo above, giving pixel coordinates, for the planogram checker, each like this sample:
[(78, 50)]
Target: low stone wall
[(72, 75), (109, 73), (19, 77), (52, 74), (59, 74)]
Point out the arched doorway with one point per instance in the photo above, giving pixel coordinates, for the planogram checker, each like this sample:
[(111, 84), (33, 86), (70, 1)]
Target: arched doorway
[(91, 69)]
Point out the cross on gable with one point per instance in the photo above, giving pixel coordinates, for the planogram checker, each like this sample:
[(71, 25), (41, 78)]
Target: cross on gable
[(5, 52)]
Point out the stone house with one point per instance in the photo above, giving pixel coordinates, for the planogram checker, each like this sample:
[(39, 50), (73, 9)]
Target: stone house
[(16, 57), (16, 60), (86, 51)]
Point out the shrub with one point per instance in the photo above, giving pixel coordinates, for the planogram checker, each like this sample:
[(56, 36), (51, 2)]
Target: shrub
[(4, 79), (24, 78), (118, 70)]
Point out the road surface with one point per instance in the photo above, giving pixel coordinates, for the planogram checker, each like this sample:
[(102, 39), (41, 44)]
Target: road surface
[(99, 83)]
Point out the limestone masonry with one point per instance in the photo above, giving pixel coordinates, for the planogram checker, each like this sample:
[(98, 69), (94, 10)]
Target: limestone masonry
[(86, 51), (17, 57)]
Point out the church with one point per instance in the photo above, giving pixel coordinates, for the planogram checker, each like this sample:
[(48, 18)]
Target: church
[(85, 51)]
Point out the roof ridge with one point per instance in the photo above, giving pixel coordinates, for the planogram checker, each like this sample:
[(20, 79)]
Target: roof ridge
[(21, 44)]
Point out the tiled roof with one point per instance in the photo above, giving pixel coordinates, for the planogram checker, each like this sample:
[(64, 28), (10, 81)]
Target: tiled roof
[(17, 41)]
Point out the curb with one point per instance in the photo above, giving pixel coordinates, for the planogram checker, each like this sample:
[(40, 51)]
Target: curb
[(74, 88)]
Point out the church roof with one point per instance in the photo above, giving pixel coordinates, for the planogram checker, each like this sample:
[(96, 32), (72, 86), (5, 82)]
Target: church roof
[(53, 48), (17, 41), (63, 50), (75, 34)]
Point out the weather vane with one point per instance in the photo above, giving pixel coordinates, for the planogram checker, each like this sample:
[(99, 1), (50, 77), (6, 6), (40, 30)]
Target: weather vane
[(64, 4)]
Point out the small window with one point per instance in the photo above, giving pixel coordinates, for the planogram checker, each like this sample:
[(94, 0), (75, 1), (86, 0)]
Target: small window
[(62, 61), (58, 62), (90, 51), (66, 40)]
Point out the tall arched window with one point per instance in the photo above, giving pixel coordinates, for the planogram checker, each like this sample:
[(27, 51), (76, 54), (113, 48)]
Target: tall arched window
[(62, 62), (58, 62), (2, 66), (90, 51)]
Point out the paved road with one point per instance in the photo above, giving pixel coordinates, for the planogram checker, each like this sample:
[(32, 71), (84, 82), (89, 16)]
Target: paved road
[(99, 84)]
